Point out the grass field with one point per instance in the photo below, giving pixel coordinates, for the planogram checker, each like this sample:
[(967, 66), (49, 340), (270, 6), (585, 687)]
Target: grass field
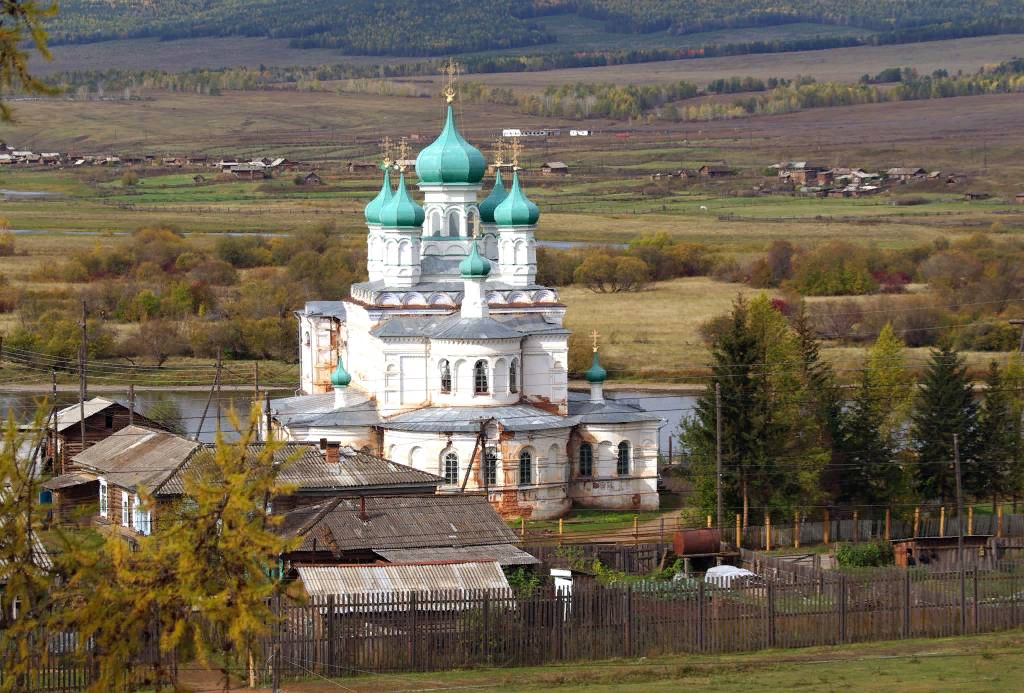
[(980, 664)]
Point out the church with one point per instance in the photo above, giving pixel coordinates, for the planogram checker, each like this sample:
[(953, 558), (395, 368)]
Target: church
[(453, 360)]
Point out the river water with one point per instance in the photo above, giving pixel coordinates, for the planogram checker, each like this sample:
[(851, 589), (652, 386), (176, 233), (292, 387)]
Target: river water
[(191, 403)]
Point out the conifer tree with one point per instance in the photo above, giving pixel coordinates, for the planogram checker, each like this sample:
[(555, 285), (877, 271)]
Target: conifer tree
[(870, 472), (211, 559), (998, 441), (944, 406), (891, 381), (26, 574)]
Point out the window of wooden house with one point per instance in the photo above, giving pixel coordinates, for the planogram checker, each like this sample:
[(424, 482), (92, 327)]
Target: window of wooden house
[(103, 498), (126, 518), (586, 459), (108, 421)]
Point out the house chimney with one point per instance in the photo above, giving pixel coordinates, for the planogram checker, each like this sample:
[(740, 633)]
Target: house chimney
[(332, 453), (362, 509), (323, 443)]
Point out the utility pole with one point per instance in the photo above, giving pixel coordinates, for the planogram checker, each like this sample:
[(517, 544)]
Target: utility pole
[(270, 420), (82, 385), (718, 463), (214, 388), (131, 404), (960, 534)]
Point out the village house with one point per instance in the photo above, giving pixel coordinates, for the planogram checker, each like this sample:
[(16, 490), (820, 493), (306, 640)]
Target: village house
[(325, 581), (905, 173), (556, 168), (456, 527), (103, 417), (311, 178), (716, 171), (103, 484), (362, 166), (251, 171)]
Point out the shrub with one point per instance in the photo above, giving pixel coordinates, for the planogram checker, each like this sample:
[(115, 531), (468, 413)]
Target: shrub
[(243, 252), (188, 261), (834, 269), (604, 273), (215, 273), (873, 554), (6, 241), (556, 267), (155, 341), (988, 336), (130, 179)]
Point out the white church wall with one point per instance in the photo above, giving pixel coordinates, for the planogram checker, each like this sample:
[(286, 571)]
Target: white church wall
[(605, 487), (319, 340), (462, 358)]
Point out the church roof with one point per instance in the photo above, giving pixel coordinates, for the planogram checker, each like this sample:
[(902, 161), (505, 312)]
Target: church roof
[(518, 417), (372, 210), (321, 411), (495, 198), (446, 327), (516, 209), (450, 158), (401, 211), (327, 309), (607, 411)]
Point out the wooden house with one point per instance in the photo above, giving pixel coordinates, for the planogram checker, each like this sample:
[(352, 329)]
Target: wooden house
[(311, 178), (905, 173), (554, 168), (362, 166), (940, 553), (402, 529), (716, 171), (103, 417), (1019, 199), (253, 171)]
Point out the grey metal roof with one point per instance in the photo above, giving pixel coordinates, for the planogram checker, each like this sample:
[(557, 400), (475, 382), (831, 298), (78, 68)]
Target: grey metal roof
[(72, 415), (68, 480), (517, 417), (327, 309), (430, 577), (504, 554), (454, 326), (316, 411), (137, 456), (356, 469), (457, 327), (608, 412), (399, 522)]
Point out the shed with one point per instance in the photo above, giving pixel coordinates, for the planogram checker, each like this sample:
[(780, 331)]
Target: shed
[(311, 178), (402, 578), (1019, 199), (940, 553), (716, 171), (557, 168)]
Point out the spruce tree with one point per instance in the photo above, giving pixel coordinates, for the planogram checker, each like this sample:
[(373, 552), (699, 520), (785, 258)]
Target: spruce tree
[(945, 406), (991, 475), (869, 472)]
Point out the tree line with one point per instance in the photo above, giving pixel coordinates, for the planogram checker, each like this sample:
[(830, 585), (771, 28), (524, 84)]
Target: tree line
[(792, 438)]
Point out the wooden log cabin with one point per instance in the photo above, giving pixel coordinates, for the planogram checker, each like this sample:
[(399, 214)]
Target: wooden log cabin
[(103, 417)]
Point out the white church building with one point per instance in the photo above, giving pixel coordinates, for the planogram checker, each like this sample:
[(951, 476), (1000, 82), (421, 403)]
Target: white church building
[(453, 360)]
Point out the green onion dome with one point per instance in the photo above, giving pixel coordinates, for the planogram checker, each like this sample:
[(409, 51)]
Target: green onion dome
[(595, 374), (516, 209), (340, 377), (372, 211), (475, 264), (491, 202), (401, 211), (450, 158)]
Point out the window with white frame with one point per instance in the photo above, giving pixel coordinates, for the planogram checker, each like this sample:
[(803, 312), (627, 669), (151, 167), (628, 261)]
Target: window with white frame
[(480, 378), (451, 468), (446, 376), (622, 465), (140, 517), (103, 498), (491, 467), (525, 467), (126, 518), (513, 376)]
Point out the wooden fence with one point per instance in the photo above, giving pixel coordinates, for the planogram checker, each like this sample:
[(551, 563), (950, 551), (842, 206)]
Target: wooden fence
[(337, 636)]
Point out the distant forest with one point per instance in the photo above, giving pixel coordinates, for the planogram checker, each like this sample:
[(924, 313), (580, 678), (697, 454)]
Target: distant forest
[(445, 27)]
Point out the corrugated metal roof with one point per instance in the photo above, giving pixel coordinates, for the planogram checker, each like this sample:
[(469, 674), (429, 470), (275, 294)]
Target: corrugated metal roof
[(400, 522), (321, 411), (137, 456), (519, 417), (68, 480), (452, 326), (72, 416), (503, 554), (608, 411), (417, 577), (327, 309)]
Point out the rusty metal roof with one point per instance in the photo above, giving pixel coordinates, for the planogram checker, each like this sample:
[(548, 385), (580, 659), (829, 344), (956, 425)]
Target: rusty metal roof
[(137, 456), (400, 522), (402, 577), (503, 554)]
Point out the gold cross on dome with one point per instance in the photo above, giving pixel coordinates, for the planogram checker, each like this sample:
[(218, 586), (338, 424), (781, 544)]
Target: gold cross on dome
[(594, 336), (451, 71), (403, 153), (385, 148), (499, 151), (517, 149)]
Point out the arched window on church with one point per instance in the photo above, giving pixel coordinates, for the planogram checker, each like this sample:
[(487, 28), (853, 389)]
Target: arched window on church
[(446, 376), (622, 465), (451, 468), (586, 459), (480, 378), (491, 467), (525, 467), (453, 224), (435, 223), (513, 376)]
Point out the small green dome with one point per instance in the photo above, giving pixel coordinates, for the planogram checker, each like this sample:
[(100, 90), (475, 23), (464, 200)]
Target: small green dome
[(516, 209), (401, 211), (595, 374), (475, 264), (491, 202), (340, 377), (450, 158), (372, 211)]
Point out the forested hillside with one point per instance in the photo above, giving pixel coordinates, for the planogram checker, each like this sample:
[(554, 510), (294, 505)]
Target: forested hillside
[(443, 27)]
